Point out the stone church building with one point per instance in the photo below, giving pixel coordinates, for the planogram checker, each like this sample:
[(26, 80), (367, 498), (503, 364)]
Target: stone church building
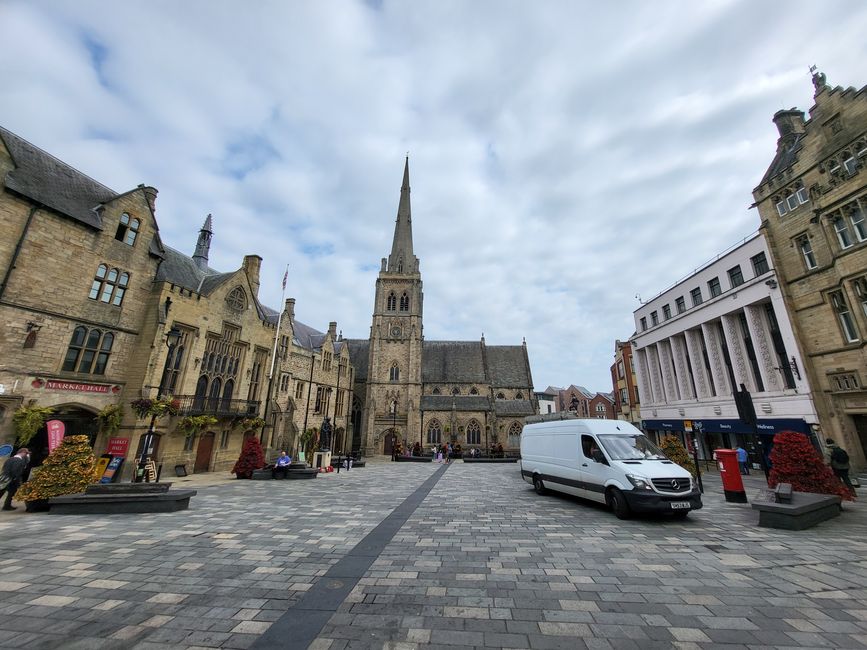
[(413, 390)]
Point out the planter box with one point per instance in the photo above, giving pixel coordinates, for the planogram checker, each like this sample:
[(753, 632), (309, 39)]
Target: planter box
[(412, 459), (804, 510), (121, 502)]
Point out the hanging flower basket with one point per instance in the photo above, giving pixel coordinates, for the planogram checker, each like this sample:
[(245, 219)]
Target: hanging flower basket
[(109, 419), (192, 424), (155, 407), (28, 420)]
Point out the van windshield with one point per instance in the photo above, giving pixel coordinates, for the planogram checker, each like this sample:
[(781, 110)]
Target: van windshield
[(630, 447)]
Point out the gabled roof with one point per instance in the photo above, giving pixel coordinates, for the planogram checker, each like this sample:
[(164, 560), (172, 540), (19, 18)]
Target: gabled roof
[(507, 365), (306, 336), (43, 178), (452, 361), (359, 355)]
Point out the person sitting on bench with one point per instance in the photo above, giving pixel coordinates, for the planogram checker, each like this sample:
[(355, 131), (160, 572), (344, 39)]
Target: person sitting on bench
[(282, 465)]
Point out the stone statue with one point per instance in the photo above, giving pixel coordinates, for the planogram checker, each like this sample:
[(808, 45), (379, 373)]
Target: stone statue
[(325, 435)]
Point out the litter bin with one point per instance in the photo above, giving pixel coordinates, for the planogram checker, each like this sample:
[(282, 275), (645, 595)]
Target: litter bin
[(730, 471)]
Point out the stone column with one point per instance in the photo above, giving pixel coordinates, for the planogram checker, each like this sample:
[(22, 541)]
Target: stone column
[(711, 334), (655, 374), (763, 347), (693, 346), (737, 353), (678, 347), (669, 379), (643, 375)]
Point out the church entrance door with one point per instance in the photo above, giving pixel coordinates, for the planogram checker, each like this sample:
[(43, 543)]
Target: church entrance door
[(388, 445)]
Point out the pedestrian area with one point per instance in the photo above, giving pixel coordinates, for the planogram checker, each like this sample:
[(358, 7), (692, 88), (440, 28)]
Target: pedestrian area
[(406, 555)]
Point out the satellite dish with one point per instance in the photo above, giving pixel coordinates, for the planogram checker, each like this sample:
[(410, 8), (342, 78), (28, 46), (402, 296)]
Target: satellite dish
[(6, 450)]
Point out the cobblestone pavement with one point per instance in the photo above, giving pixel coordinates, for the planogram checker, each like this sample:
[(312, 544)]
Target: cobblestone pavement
[(482, 562)]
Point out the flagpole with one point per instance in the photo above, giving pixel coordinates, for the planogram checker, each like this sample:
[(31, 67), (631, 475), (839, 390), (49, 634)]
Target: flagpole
[(267, 413)]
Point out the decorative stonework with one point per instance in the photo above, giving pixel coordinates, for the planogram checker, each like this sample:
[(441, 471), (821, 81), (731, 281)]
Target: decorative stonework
[(759, 334), (736, 350), (693, 347), (678, 347), (714, 349), (668, 371)]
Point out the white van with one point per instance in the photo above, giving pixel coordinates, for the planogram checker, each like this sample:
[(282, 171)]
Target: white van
[(609, 461)]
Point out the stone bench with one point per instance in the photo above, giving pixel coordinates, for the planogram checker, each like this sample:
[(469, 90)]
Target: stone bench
[(293, 473), (122, 498), (803, 511)]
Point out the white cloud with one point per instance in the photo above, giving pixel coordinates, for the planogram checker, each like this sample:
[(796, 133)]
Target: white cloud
[(564, 156)]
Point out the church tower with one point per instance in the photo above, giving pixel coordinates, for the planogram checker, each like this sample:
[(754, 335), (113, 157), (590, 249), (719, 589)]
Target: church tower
[(394, 378)]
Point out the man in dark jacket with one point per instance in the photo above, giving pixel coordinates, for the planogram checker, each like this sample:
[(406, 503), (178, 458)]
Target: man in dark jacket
[(838, 459), (13, 469)]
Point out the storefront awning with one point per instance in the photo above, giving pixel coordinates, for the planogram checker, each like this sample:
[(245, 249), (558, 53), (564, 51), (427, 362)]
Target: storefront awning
[(768, 427)]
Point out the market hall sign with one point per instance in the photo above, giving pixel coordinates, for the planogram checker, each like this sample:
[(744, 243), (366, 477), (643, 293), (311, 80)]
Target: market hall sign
[(78, 387)]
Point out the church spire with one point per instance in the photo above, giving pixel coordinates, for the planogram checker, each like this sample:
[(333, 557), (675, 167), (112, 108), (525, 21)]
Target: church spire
[(402, 259), (200, 257)]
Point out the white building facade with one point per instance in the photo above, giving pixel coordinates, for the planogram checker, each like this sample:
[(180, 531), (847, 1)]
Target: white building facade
[(698, 341)]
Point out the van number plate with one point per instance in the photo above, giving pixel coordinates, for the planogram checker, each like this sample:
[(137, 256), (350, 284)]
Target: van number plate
[(681, 505)]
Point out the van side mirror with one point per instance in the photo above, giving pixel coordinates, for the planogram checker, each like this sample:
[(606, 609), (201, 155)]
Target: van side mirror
[(599, 457)]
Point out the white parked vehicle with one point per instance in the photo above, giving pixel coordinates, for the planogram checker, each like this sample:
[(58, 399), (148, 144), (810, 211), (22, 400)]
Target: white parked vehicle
[(609, 461)]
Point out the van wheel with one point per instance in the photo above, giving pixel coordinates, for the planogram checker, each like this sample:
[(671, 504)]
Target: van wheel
[(618, 503), (538, 485)]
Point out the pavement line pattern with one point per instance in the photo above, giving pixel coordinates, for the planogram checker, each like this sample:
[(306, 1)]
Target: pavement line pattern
[(303, 622)]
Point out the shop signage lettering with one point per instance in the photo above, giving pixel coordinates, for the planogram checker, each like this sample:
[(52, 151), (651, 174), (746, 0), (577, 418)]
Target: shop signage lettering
[(117, 446), (53, 384)]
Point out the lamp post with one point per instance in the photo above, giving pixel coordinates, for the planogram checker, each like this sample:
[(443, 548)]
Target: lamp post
[(172, 338), (394, 429)]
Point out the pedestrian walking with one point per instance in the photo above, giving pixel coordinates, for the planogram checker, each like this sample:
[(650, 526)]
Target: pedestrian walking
[(838, 459), (12, 475), (743, 460)]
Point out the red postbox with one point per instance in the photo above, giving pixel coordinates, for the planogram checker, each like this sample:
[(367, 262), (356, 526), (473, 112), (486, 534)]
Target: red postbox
[(730, 471)]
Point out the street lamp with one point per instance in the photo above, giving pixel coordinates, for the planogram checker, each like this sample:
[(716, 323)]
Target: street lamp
[(393, 429), (173, 336)]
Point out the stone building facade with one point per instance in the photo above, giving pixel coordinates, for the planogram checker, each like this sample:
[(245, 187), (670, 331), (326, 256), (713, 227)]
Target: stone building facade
[(410, 389), (625, 384), (89, 292), (812, 203)]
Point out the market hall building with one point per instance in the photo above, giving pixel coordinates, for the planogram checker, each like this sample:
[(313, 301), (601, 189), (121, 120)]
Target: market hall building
[(431, 392)]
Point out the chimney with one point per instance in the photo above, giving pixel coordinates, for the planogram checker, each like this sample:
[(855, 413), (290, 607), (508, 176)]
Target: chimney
[(290, 309), (252, 263), (790, 124), (332, 330), (150, 196)]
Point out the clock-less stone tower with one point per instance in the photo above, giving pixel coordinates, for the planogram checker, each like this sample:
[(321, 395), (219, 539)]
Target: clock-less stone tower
[(394, 368)]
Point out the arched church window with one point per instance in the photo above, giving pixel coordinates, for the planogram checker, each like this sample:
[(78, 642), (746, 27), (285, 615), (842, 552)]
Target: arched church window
[(474, 391), (404, 302), (237, 299), (394, 373), (391, 303), (434, 432), (501, 396), (474, 433), (436, 391), (456, 391), (515, 434), (400, 265), (519, 396)]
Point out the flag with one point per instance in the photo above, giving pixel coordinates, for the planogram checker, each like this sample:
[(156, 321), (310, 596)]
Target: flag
[(285, 277)]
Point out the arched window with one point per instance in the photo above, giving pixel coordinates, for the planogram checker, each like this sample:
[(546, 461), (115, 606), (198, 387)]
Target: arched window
[(394, 373), (456, 391), (201, 391), (173, 368), (500, 396), (391, 303), (436, 391), (88, 351), (109, 285), (519, 396), (474, 391), (228, 389), (434, 432), (127, 229), (474, 433), (404, 302), (515, 434), (400, 265), (214, 393), (237, 299)]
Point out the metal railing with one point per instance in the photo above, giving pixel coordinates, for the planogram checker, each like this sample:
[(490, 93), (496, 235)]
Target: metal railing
[(216, 406)]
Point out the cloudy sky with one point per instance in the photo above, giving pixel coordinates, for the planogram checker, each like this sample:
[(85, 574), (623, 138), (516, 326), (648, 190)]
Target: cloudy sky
[(564, 156)]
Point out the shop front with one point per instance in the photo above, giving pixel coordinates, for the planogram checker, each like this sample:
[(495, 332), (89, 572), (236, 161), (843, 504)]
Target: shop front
[(712, 434)]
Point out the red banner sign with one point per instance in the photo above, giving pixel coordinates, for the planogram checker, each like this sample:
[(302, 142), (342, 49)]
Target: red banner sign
[(56, 429), (53, 384), (117, 446)]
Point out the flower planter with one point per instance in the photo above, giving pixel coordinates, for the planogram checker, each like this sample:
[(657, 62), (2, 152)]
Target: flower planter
[(37, 505)]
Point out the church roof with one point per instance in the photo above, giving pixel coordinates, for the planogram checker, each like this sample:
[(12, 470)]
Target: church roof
[(452, 361), (359, 353), (507, 365), (43, 178), (513, 407), (456, 402)]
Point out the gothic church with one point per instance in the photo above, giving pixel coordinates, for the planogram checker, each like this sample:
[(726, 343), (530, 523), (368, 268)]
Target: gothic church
[(412, 390)]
